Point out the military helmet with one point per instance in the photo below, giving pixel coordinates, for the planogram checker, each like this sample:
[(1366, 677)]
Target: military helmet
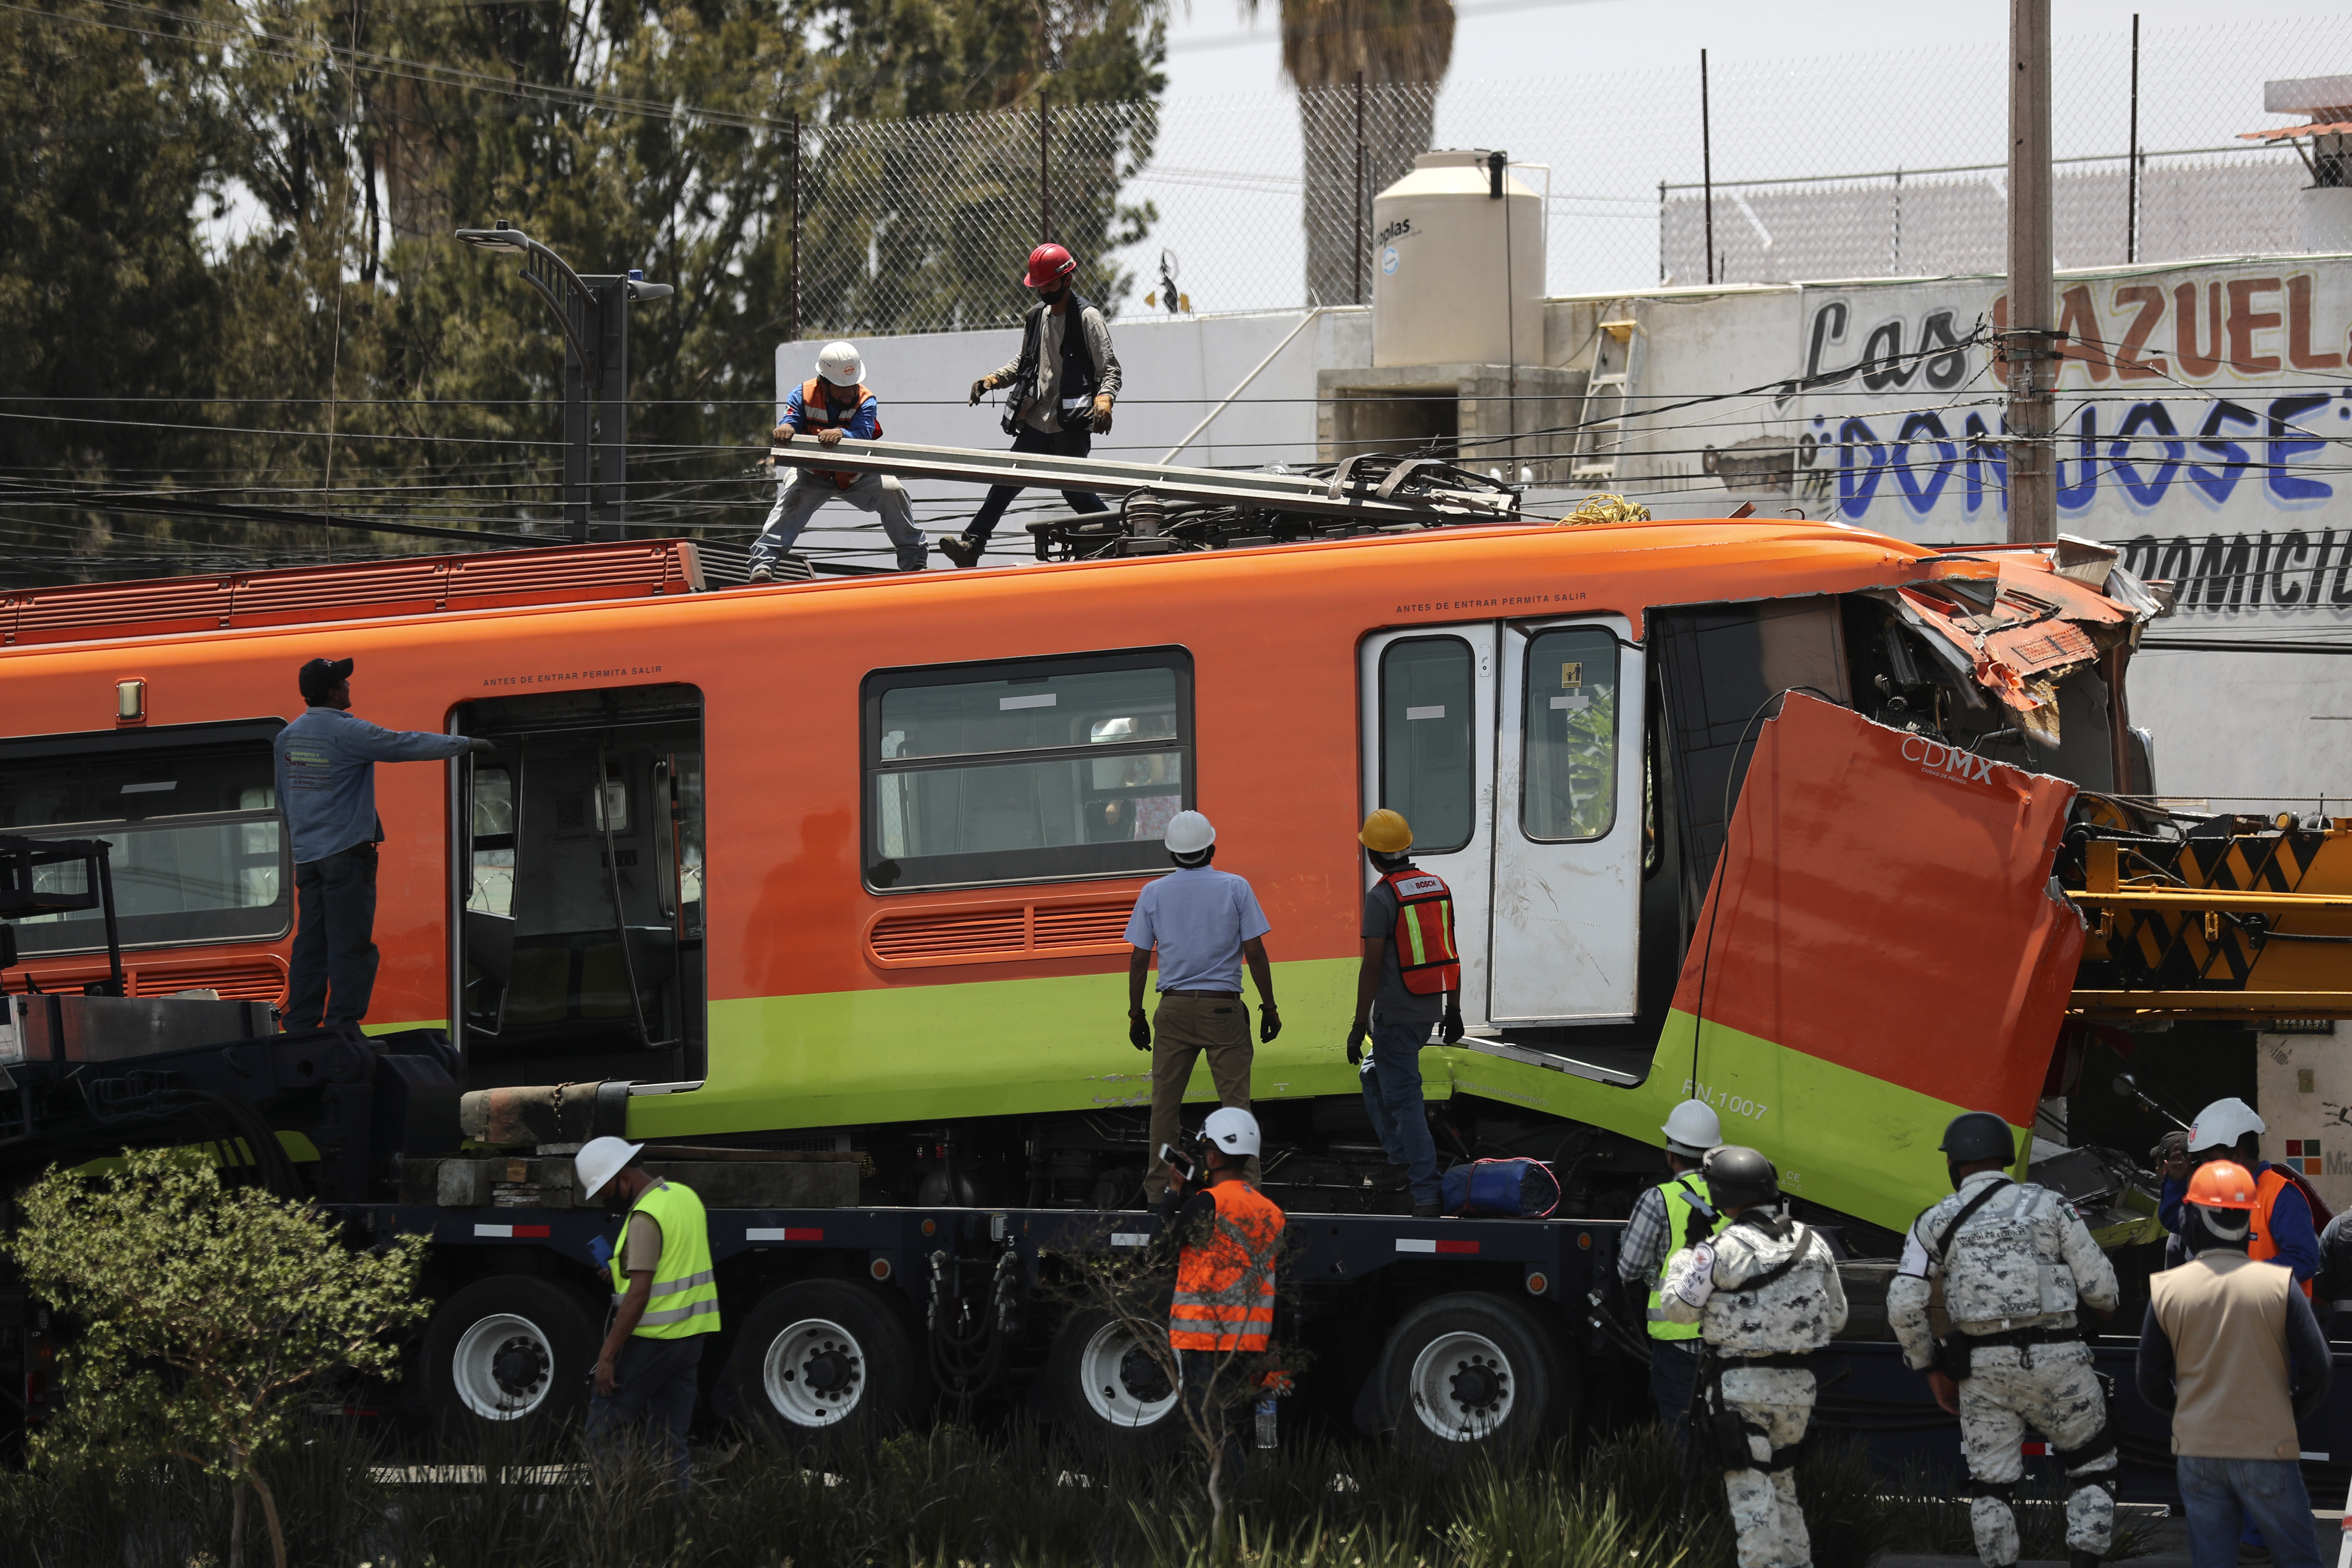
[(1738, 1178), (1976, 1135)]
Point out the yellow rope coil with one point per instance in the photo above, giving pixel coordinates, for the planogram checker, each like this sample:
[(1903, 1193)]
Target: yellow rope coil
[(1606, 507)]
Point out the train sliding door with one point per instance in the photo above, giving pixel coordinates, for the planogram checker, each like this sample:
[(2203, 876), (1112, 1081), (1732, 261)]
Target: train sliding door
[(578, 888), (1515, 752), (1429, 753)]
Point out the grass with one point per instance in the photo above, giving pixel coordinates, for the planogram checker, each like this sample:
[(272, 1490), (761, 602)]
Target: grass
[(950, 1497)]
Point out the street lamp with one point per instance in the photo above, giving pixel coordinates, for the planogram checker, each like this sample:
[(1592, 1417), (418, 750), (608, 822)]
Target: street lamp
[(594, 312)]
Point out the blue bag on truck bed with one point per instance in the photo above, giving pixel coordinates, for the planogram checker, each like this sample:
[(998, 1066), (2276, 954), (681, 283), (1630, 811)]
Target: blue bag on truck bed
[(1500, 1189)]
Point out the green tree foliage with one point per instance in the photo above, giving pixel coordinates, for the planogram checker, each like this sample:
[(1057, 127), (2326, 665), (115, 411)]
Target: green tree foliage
[(223, 201), (202, 1312)]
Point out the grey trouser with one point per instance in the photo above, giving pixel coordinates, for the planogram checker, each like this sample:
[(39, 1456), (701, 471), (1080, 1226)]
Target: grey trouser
[(1778, 1403), (653, 1381), (1182, 1029), (2053, 1390), (802, 490)]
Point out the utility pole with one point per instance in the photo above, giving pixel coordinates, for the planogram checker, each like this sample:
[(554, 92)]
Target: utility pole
[(2028, 346), (594, 312)]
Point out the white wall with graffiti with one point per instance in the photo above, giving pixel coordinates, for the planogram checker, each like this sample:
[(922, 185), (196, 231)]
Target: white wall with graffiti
[(2205, 414)]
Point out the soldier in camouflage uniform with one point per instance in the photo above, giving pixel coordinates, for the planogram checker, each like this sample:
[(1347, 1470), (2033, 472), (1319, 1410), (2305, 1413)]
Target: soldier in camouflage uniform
[(1766, 1294), (2015, 1261)]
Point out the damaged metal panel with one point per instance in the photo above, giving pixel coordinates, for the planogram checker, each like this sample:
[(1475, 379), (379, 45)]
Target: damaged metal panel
[(2025, 620), (1883, 906)]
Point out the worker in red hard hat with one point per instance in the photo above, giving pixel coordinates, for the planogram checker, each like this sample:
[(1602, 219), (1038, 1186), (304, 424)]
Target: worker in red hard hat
[(1064, 382), (2231, 1348)]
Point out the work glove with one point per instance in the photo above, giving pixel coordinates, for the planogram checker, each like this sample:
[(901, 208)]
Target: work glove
[(1449, 1028), (1102, 414), (982, 388), (1269, 1022), (829, 436), (1357, 1033), (1138, 1030), (481, 745), (781, 435)]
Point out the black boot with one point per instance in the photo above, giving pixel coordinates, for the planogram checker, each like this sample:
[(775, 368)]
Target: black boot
[(960, 551), (2080, 1559)]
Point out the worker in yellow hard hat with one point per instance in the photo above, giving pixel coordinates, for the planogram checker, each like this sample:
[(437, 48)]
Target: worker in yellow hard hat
[(1411, 982)]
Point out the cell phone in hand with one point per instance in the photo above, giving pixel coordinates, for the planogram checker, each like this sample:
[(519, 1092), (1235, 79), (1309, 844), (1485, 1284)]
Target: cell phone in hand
[(1178, 1161)]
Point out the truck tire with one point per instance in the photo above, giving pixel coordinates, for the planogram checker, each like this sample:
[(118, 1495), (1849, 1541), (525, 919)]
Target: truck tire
[(1472, 1374), (823, 1357), (510, 1352), (1110, 1392)]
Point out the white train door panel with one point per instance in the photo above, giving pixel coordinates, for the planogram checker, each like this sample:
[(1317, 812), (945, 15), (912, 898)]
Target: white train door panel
[(1428, 727), (1564, 933)]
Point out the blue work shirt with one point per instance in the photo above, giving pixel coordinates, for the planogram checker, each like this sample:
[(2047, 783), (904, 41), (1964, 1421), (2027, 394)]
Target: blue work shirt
[(866, 424), (2290, 1226), (326, 776), (1198, 918)]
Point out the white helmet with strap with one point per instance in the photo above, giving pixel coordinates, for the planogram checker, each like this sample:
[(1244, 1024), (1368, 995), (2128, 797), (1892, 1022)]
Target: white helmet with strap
[(1232, 1129), (839, 363)]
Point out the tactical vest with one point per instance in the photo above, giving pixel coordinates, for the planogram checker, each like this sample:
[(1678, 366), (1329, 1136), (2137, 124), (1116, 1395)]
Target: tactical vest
[(1427, 960), (686, 1291), (1074, 389), (1224, 1291), (818, 414), (1685, 1196), (2261, 1243)]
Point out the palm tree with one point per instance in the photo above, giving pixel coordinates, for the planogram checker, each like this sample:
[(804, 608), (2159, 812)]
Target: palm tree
[(1401, 46)]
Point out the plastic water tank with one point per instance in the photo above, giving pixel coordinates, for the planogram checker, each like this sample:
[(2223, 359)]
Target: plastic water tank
[(1457, 273)]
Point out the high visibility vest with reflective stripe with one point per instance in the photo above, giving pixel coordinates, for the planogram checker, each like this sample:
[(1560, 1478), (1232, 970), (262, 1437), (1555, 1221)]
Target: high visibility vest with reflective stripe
[(1224, 1291), (816, 412), (1427, 961), (2263, 1245), (1683, 1194), (686, 1293)]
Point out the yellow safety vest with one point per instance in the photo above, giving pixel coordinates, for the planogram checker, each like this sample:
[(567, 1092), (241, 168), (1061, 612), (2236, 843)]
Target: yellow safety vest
[(1683, 1194), (686, 1290)]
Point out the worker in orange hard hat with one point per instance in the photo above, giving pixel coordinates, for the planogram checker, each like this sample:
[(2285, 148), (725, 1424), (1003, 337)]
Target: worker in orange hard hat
[(2288, 1213), (1410, 981), (1063, 381), (2230, 1348)]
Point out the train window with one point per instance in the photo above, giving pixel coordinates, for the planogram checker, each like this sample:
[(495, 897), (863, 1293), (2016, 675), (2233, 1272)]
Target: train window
[(1571, 735), (1038, 770), (493, 839), (1428, 765), (199, 852)]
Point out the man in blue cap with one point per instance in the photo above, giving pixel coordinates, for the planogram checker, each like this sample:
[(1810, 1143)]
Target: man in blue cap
[(326, 787)]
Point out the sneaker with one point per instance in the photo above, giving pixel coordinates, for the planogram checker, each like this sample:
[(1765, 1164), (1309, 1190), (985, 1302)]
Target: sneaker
[(1425, 1211), (763, 573), (960, 549)]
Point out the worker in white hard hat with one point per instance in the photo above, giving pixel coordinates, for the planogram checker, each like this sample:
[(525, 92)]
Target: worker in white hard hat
[(665, 1300), (1676, 1214), (2287, 1213), (1203, 924), (1228, 1241), (830, 404)]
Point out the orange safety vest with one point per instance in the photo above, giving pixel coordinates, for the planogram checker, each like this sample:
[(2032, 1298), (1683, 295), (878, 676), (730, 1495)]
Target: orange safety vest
[(1224, 1291), (2262, 1245), (816, 412), (1427, 961)]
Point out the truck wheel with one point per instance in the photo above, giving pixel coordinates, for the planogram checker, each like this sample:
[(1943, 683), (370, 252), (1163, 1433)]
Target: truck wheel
[(1113, 1392), (1468, 1373), (823, 1356), (511, 1348)]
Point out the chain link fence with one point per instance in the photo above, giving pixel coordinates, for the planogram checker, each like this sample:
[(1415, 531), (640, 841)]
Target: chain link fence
[(1854, 165)]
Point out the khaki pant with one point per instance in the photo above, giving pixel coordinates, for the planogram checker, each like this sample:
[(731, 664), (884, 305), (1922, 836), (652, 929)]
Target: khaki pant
[(1182, 1029)]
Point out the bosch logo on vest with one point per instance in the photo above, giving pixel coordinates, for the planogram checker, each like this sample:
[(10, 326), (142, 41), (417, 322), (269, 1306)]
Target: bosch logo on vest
[(1935, 758)]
